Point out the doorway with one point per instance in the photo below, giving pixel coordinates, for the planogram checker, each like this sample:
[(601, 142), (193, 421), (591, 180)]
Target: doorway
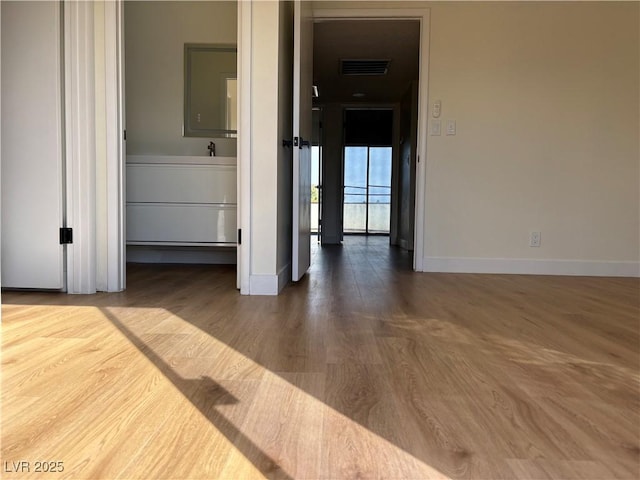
[(367, 71), (316, 173), (368, 158), (181, 181), (367, 190)]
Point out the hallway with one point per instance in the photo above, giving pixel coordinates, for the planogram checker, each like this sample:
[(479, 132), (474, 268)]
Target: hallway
[(364, 369), (363, 268)]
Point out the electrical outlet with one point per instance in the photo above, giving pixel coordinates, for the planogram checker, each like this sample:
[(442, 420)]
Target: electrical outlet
[(534, 239)]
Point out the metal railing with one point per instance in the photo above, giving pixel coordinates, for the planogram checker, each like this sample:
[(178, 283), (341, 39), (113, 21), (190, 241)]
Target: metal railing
[(370, 215)]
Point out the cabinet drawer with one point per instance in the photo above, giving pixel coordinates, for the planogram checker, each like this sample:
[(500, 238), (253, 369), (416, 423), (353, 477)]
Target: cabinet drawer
[(181, 224), (181, 183)]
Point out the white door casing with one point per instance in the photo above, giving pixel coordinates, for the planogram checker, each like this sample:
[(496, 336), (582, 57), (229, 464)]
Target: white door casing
[(302, 132), (245, 15)]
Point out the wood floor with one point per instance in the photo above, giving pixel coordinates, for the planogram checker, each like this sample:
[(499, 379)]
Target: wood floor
[(362, 370)]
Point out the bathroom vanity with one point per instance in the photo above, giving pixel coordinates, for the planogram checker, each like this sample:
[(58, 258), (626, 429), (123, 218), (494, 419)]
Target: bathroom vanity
[(181, 201)]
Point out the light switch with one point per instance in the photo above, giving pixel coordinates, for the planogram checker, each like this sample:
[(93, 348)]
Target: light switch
[(435, 127), (451, 127), (437, 106)]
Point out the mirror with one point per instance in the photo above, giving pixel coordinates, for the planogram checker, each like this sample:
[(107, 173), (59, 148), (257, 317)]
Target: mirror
[(210, 90)]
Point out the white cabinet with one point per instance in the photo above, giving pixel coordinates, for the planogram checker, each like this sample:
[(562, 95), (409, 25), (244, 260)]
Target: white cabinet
[(181, 201)]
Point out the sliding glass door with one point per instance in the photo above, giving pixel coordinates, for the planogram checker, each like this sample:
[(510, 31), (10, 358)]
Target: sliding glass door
[(367, 190), (316, 153)]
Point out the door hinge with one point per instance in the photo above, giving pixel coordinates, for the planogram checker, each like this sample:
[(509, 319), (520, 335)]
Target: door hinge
[(66, 235), (124, 135), (239, 236)]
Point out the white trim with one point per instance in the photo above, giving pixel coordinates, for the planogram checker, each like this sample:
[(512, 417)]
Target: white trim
[(270, 284), (423, 15), (109, 217), (263, 285), (532, 266), (179, 160), (114, 73), (183, 255), (422, 139), (244, 154), (61, 203), (80, 133), (284, 276)]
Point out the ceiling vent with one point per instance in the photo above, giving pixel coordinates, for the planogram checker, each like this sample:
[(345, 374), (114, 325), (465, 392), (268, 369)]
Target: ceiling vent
[(364, 67)]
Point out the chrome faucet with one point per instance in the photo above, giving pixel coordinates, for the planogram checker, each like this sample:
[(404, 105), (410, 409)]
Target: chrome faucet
[(212, 149)]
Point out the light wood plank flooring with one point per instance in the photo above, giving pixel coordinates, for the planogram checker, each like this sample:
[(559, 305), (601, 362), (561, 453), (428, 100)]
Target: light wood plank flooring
[(362, 370)]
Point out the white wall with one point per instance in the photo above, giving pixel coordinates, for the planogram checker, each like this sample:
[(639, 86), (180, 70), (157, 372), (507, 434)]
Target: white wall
[(155, 34), (270, 183), (546, 98), (546, 103), (264, 119)]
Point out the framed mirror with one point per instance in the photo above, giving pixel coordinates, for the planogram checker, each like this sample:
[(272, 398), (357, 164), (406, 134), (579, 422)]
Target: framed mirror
[(210, 90)]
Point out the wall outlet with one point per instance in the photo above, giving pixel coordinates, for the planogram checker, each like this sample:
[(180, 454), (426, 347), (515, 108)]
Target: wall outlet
[(534, 239)]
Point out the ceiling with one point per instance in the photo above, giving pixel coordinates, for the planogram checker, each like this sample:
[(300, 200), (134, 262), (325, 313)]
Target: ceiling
[(335, 40)]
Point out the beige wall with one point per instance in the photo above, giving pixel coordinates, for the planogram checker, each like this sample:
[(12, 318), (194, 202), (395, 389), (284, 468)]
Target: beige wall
[(546, 100), (264, 127), (155, 34), (546, 103)]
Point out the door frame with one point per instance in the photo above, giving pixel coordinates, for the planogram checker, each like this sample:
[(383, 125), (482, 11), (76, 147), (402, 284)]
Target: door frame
[(395, 160), (244, 155), (423, 16), (244, 159), (320, 140), (112, 258), (94, 176)]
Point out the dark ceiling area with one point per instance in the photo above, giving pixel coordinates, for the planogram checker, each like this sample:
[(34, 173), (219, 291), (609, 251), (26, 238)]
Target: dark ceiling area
[(337, 40)]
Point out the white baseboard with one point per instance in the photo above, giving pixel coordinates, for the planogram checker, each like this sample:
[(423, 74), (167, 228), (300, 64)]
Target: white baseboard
[(270, 284), (191, 255), (528, 266), (284, 276), (263, 285)]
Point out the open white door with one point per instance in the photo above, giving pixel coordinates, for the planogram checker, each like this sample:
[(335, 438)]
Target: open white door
[(32, 162), (302, 131)]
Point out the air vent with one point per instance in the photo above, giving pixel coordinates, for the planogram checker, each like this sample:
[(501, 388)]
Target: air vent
[(364, 67)]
